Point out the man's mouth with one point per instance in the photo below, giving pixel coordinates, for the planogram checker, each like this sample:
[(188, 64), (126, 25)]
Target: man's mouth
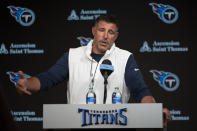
[(104, 43)]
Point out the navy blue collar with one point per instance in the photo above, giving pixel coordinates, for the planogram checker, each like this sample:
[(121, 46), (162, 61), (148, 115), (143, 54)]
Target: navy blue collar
[(96, 57)]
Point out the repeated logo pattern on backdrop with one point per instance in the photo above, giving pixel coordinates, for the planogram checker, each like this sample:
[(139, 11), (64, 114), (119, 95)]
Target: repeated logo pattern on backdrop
[(86, 14), (167, 80), (168, 46), (14, 76), (22, 48), (84, 40), (160, 36), (166, 13), (23, 16)]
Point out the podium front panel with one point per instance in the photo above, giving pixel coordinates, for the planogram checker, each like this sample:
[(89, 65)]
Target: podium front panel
[(102, 116)]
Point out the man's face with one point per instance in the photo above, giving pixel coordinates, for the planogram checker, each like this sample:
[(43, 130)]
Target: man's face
[(104, 36)]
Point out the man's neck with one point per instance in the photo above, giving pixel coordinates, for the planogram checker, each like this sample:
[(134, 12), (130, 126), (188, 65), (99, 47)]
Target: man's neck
[(98, 53), (96, 57)]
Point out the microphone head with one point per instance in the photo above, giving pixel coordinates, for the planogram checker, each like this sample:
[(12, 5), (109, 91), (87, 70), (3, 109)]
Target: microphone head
[(106, 68), (106, 61)]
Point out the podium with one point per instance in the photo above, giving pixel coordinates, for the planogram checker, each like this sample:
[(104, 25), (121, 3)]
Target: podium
[(68, 116)]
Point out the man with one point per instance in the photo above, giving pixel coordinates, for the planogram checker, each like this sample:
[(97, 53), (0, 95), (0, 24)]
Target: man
[(81, 66)]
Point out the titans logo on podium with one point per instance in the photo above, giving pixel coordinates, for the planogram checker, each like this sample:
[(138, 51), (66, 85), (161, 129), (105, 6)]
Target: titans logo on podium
[(114, 116)]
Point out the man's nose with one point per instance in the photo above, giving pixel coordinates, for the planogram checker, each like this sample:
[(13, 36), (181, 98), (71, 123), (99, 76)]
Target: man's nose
[(105, 35)]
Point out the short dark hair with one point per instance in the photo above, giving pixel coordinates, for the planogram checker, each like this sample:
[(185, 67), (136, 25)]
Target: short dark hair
[(108, 18)]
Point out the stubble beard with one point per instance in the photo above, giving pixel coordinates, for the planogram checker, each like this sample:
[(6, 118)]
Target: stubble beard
[(98, 48)]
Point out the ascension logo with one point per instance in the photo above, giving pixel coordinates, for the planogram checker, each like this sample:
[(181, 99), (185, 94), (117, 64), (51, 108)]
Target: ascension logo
[(145, 47), (73, 16), (22, 48), (168, 81), (166, 13), (114, 116), (23, 16), (86, 14), (3, 49), (164, 46)]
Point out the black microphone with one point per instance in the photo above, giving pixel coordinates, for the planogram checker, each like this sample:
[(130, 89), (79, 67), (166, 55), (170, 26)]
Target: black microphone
[(106, 69)]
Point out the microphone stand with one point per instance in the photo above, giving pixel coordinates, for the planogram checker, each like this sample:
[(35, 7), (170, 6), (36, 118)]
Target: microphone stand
[(105, 87)]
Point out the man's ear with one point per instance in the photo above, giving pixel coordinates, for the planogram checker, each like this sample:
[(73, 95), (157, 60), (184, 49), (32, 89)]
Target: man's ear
[(93, 30), (117, 34)]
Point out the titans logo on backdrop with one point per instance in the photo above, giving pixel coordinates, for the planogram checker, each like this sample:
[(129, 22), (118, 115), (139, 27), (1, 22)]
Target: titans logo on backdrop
[(168, 81), (14, 76), (23, 16), (166, 13), (84, 40)]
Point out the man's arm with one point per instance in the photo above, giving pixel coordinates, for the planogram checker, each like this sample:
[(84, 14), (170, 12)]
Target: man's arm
[(135, 82), (56, 74)]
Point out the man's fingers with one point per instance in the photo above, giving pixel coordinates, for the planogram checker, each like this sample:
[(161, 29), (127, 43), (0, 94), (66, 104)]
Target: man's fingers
[(27, 92), (22, 90), (167, 116), (21, 85), (21, 74)]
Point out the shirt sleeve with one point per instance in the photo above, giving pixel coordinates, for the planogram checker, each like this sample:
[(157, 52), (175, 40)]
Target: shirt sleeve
[(56, 74), (134, 80)]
